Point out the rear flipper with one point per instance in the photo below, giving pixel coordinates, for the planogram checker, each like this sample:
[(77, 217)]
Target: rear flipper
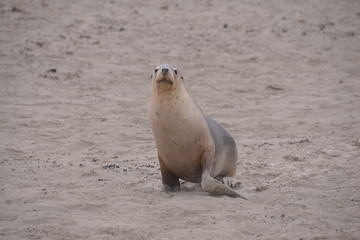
[(215, 187), (211, 185), (230, 182)]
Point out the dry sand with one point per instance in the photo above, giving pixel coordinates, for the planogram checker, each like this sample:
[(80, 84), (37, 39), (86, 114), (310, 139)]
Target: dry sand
[(77, 156)]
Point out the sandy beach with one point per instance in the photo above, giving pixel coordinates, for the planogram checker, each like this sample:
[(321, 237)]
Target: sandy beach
[(77, 155)]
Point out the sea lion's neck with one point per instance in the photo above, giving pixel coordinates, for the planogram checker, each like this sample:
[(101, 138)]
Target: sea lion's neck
[(169, 95)]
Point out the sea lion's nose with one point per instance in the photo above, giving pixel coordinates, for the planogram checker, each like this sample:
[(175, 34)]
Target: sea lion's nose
[(165, 70)]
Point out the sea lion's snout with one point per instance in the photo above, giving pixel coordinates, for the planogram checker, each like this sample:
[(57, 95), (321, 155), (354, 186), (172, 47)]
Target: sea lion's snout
[(164, 75), (165, 80), (164, 70)]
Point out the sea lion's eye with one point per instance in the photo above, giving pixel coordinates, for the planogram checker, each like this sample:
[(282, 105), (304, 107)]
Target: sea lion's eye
[(175, 71), (156, 70)]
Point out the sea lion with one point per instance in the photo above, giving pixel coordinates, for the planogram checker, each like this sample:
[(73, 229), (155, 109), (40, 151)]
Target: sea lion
[(190, 145)]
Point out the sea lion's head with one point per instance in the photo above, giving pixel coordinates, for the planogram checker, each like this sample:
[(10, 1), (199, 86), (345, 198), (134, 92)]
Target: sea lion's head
[(166, 77)]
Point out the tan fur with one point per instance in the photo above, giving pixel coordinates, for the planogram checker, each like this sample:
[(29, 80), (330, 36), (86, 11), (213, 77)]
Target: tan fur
[(185, 145)]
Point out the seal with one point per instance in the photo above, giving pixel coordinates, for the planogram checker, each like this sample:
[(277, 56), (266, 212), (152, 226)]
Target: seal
[(190, 145)]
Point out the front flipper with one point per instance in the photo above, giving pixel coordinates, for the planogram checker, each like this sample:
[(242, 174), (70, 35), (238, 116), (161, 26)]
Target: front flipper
[(170, 181)]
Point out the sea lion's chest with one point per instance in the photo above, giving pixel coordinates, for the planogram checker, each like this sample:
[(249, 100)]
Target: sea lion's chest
[(181, 135), (179, 125)]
